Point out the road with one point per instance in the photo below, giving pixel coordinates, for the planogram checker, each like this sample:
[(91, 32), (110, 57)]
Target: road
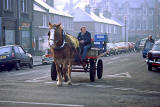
[(126, 83)]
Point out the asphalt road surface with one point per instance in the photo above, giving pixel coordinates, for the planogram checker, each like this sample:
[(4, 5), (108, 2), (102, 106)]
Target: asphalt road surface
[(126, 83)]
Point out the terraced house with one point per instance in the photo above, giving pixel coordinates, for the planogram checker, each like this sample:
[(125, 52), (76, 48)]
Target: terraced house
[(96, 23), (16, 22), (43, 13)]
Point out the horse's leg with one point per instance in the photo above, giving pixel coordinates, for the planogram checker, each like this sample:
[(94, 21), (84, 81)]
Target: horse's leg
[(69, 73), (59, 82), (64, 70)]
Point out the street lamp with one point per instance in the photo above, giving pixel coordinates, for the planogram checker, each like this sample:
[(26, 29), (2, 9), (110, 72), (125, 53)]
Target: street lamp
[(125, 25)]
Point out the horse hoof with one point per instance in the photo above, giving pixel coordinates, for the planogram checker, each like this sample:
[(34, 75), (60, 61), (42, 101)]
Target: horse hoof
[(59, 84), (69, 83)]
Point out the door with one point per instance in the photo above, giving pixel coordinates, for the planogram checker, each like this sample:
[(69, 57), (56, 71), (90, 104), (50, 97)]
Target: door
[(24, 59), (17, 53)]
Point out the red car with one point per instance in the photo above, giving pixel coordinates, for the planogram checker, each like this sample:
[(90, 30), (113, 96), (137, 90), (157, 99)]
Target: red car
[(153, 58)]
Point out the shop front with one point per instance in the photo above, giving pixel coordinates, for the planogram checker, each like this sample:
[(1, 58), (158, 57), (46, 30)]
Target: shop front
[(25, 35)]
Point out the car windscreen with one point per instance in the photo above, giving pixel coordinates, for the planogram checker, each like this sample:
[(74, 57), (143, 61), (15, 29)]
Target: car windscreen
[(156, 47), (5, 50)]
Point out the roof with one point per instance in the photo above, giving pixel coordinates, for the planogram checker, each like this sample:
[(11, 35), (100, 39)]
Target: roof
[(51, 9), (82, 16), (109, 21), (136, 3), (37, 8)]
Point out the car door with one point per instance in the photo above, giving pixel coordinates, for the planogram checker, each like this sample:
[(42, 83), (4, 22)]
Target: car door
[(23, 58), (17, 53)]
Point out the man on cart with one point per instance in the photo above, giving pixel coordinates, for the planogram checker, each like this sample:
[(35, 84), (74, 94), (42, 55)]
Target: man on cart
[(84, 38)]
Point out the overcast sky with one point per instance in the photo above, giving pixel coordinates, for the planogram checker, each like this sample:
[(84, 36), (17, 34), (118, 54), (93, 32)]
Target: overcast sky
[(59, 4)]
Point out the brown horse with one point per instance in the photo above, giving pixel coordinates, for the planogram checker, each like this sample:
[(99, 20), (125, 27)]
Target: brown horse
[(63, 52)]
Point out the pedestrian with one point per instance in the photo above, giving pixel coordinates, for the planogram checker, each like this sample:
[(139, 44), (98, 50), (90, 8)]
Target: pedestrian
[(149, 42), (148, 46), (84, 38)]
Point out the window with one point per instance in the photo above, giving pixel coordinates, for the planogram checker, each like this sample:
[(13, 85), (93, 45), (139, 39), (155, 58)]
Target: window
[(10, 37), (44, 20), (150, 24), (21, 50), (16, 50), (5, 50), (25, 39), (115, 30), (138, 24), (107, 28), (7, 4), (101, 27), (145, 11), (110, 28), (151, 12), (24, 6), (144, 25)]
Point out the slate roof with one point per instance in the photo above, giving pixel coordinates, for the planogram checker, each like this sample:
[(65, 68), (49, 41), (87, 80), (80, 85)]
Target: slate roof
[(82, 16), (51, 9)]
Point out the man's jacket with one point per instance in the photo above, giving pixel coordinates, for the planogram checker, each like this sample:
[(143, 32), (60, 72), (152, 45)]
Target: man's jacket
[(86, 37)]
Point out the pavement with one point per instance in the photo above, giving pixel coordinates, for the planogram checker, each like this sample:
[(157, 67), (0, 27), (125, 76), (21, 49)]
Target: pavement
[(126, 82)]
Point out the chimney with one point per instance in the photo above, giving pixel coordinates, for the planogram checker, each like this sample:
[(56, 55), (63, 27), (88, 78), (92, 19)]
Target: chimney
[(106, 14), (50, 2), (96, 11), (88, 9)]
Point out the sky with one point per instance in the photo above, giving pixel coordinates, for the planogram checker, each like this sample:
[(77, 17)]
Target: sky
[(59, 4)]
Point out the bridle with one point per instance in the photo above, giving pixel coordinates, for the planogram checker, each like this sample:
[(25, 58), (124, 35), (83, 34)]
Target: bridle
[(51, 35)]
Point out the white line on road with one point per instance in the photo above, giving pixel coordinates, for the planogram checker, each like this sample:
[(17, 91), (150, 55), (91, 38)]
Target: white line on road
[(48, 104), (38, 79), (120, 75)]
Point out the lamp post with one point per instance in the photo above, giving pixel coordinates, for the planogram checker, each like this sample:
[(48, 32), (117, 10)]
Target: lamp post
[(125, 27)]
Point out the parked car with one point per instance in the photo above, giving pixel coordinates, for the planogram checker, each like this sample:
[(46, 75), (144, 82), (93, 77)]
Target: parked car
[(112, 49), (14, 56), (47, 58), (142, 42), (122, 47), (131, 46), (153, 57)]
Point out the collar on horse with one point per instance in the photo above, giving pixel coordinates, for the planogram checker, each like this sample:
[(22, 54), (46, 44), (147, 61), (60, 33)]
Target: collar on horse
[(64, 42)]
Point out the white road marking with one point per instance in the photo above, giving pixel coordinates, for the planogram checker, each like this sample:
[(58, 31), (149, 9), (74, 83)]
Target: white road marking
[(38, 79), (113, 61), (137, 90), (48, 104), (120, 75)]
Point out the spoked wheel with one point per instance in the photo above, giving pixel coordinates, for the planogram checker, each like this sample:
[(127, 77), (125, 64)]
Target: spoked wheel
[(53, 72), (17, 65), (92, 70), (99, 68)]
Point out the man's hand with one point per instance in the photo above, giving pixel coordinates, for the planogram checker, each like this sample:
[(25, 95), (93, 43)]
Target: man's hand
[(82, 41)]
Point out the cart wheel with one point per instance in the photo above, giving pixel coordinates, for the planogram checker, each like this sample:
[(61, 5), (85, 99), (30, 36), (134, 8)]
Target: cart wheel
[(53, 72), (92, 70), (99, 68)]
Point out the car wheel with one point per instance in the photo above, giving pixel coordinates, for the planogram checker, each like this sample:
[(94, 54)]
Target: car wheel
[(31, 64), (17, 65), (149, 67), (9, 68)]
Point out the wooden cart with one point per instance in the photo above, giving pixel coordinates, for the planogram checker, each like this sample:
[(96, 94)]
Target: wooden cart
[(93, 65)]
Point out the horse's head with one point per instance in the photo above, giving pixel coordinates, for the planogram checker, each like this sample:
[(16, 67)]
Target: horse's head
[(55, 35)]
